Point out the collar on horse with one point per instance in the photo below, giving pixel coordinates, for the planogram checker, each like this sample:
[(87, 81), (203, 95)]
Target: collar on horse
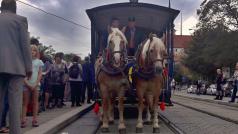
[(107, 68)]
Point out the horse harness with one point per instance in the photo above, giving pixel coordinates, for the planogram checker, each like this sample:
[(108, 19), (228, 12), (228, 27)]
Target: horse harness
[(107, 64), (147, 72)]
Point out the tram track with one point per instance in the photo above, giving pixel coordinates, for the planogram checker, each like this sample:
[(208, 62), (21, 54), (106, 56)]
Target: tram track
[(187, 116), (90, 124), (193, 116), (131, 120), (203, 107), (189, 119)]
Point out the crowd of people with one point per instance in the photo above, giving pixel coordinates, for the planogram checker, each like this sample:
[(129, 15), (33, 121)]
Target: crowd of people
[(50, 85), (30, 82)]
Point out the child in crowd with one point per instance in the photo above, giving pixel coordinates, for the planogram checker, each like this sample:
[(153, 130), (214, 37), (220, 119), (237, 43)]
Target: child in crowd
[(32, 87)]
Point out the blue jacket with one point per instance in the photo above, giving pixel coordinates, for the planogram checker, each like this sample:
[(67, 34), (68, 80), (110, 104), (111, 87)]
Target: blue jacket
[(88, 72)]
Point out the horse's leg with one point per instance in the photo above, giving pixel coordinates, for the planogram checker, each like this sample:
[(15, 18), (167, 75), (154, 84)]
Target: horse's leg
[(148, 114), (105, 102), (139, 126), (121, 125), (111, 109), (156, 127)]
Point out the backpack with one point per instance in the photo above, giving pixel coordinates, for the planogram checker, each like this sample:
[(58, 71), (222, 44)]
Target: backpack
[(74, 71)]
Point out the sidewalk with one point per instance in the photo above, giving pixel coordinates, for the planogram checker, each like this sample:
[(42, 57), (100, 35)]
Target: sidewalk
[(208, 98), (48, 115), (57, 115)]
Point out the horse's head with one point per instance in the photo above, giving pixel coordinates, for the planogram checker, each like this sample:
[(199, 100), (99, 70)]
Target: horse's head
[(116, 47), (152, 53)]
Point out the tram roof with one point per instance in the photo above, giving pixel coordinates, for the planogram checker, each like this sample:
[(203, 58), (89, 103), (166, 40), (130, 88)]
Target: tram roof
[(148, 16)]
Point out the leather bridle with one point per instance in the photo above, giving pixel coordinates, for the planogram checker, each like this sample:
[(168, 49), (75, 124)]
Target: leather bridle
[(122, 52), (149, 61)]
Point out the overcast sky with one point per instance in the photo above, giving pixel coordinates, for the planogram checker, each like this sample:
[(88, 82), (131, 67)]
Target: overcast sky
[(69, 38)]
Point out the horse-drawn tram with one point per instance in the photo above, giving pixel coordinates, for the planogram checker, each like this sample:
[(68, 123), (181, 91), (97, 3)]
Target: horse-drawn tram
[(128, 47)]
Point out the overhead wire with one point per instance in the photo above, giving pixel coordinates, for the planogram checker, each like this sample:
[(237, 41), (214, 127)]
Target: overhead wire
[(62, 18)]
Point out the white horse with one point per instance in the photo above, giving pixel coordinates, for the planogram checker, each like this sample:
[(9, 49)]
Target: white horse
[(111, 84), (149, 59)]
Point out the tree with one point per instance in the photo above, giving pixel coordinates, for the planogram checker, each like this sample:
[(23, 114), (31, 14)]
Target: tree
[(69, 57), (45, 51), (215, 41), (212, 13)]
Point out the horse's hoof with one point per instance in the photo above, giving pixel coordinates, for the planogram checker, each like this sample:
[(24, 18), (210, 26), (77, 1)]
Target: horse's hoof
[(156, 130), (122, 131), (111, 122), (148, 122), (139, 130), (104, 130)]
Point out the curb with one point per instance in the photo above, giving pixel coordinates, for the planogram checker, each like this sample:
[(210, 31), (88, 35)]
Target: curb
[(209, 113), (55, 125), (171, 125), (211, 101)]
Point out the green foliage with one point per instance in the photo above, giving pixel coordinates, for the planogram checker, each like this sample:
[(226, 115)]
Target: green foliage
[(215, 12), (215, 42), (45, 51), (69, 57)]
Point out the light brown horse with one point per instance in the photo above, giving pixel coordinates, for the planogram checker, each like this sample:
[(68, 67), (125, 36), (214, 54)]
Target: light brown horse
[(149, 79), (111, 79)]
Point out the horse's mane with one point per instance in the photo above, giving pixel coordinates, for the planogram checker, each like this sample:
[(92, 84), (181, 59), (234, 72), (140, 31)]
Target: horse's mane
[(152, 39), (115, 31)]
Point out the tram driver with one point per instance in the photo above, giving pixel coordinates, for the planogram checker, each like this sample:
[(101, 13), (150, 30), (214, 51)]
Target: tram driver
[(114, 23), (133, 35)]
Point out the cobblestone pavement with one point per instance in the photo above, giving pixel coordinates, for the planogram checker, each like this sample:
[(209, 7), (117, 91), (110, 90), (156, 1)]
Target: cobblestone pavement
[(131, 128), (226, 112), (191, 121), (130, 114), (87, 124)]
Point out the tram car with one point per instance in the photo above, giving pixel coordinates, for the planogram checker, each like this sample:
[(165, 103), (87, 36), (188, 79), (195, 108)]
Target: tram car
[(149, 18)]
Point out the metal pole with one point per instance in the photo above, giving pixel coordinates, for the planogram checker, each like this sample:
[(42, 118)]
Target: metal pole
[(172, 50), (181, 24), (93, 43), (168, 91)]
